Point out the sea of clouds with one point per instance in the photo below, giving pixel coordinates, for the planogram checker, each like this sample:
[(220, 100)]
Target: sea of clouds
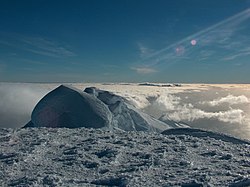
[(176, 110), (18, 100)]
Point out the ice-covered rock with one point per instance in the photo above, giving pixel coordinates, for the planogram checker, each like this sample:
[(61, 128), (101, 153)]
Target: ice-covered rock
[(125, 115), (172, 123), (68, 107), (92, 108), (199, 133)]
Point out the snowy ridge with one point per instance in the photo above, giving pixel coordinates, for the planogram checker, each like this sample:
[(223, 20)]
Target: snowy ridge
[(68, 107), (92, 108), (159, 85), (96, 157), (205, 133), (125, 115)]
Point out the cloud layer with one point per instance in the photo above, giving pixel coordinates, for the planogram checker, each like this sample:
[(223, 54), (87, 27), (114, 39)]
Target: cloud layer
[(36, 45), (144, 70), (17, 102), (189, 113), (230, 99), (174, 108)]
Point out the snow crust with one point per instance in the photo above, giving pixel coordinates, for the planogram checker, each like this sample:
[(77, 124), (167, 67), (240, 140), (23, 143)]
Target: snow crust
[(97, 157), (92, 108)]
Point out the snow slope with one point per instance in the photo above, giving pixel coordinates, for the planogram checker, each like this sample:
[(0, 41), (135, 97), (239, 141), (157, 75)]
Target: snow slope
[(72, 108), (125, 115), (97, 157), (67, 107)]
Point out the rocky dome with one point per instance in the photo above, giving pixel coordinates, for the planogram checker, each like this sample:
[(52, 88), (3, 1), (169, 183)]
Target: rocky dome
[(68, 107)]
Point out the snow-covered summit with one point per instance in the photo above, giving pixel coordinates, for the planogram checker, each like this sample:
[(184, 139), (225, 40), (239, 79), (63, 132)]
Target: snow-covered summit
[(69, 107), (125, 115)]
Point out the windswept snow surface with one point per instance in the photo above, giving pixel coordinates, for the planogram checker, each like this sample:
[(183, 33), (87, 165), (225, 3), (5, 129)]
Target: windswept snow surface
[(97, 157)]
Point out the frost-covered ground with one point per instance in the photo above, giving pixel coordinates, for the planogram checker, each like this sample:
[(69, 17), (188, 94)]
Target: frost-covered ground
[(88, 157)]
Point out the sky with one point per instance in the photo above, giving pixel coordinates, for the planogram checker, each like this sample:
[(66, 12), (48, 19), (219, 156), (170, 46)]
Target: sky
[(194, 41)]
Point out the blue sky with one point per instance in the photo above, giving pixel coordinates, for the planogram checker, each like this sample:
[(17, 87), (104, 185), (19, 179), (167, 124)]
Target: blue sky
[(125, 41)]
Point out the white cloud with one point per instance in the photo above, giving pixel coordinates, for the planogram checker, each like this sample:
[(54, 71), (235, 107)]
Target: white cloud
[(230, 99), (144, 70), (137, 100), (188, 112), (224, 35), (172, 107), (46, 47), (17, 102), (37, 45), (236, 55), (166, 102), (144, 50)]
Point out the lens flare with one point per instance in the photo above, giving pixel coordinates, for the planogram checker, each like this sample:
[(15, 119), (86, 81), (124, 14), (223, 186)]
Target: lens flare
[(179, 50), (193, 42)]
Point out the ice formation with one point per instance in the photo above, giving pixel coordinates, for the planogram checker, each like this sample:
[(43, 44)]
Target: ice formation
[(68, 107), (92, 108)]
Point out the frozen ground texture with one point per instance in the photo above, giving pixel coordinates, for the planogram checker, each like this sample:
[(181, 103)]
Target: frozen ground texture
[(93, 108), (97, 157)]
